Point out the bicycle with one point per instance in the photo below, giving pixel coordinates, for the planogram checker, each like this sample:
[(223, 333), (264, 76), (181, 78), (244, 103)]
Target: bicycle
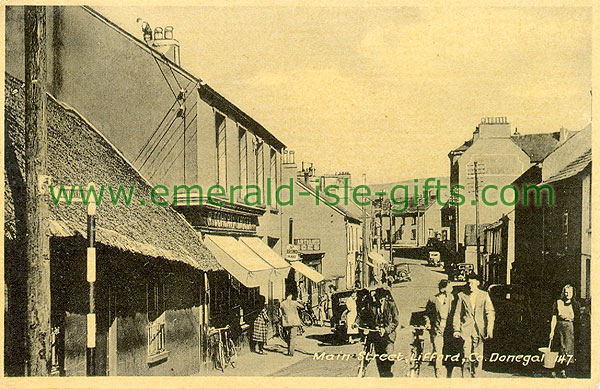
[(416, 351), (225, 352), (368, 349)]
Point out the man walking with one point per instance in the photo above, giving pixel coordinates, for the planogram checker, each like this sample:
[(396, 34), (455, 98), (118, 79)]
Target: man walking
[(290, 321), (437, 309), (473, 322), (386, 320)]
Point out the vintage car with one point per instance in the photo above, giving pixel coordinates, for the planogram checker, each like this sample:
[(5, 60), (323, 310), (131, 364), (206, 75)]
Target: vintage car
[(460, 271), (338, 307), (434, 259), (399, 272)]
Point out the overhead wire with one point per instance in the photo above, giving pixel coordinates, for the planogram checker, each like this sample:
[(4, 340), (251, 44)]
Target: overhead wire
[(154, 132), (172, 147), (168, 140)]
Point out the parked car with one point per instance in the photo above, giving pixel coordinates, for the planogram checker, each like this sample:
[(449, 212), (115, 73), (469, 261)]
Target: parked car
[(399, 272), (338, 307), (434, 259), (459, 271)]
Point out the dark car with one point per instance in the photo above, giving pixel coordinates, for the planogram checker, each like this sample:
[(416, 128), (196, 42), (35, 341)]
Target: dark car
[(514, 320), (459, 271), (399, 272), (338, 307)]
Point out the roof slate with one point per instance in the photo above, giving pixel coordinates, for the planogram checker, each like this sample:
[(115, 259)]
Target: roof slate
[(573, 168)]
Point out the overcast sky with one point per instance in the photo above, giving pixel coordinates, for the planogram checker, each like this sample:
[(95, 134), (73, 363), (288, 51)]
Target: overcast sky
[(386, 91)]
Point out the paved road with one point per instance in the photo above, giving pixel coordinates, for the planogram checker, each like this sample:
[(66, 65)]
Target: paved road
[(410, 297)]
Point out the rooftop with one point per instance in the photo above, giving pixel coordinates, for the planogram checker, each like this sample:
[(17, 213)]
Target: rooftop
[(77, 155)]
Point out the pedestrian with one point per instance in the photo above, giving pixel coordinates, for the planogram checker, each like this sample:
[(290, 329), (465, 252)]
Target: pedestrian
[(565, 315), (332, 290), (322, 308), (290, 321), (473, 322), (386, 320), (301, 292), (437, 309), (351, 314), (260, 327)]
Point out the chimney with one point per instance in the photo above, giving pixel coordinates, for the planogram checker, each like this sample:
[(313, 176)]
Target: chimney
[(476, 134), (564, 134), (494, 127), (166, 44)]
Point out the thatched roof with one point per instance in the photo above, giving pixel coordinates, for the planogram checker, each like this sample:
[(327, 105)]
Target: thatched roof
[(79, 154)]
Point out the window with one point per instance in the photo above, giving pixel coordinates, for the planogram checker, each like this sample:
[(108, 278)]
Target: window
[(274, 178), (243, 142), (221, 143), (156, 332), (413, 234), (260, 166), (565, 230)]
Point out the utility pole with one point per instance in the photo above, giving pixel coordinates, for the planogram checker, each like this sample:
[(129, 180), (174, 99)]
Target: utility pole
[(37, 250), (91, 278), (476, 187), (379, 241), (365, 248), (392, 224)]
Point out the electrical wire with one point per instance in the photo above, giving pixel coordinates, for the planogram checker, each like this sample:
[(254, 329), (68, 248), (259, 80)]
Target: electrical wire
[(172, 147), (154, 132), (168, 140)]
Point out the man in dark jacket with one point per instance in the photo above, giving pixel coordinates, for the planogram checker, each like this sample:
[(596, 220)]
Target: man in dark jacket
[(386, 320), (437, 309)]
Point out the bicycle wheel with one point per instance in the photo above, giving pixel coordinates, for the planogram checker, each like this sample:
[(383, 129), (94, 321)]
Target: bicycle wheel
[(221, 356), (306, 319), (232, 352)]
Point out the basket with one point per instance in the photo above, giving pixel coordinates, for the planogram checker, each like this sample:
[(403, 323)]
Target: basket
[(549, 356)]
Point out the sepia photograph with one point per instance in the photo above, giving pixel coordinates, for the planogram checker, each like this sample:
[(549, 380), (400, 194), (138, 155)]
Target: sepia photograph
[(320, 194)]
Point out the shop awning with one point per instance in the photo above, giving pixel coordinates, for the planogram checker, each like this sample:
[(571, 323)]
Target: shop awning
[(240, 261), (307, 271), (265, 252), (280, 266), (376, 259)]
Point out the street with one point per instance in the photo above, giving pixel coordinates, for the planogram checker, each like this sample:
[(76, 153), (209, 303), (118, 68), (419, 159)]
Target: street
[(410, 297)]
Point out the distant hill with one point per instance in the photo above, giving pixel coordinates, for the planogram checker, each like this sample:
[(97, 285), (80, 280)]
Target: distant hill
[(400, 193)]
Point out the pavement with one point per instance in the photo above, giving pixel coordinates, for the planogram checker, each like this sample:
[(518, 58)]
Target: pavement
[(340, 360)]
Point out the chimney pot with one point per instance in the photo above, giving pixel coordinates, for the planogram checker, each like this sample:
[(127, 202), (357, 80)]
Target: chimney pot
[(158, 33), (169, 32)]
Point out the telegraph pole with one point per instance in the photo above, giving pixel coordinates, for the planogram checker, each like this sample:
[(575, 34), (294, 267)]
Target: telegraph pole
[(476, 187), (91, 278), (37, 250), (365, 248)]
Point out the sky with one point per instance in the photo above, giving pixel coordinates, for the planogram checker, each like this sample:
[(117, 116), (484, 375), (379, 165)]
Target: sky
[(386, 91)]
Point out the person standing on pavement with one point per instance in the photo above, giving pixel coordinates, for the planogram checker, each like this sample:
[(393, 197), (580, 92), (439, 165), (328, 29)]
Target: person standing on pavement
[(260, 326), (437, 309), (351, 314), (290, 321), (473, 322), (386, 320), (562, 327)]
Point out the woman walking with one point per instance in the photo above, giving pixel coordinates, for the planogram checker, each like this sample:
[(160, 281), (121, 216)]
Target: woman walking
[(261, 324), (562, 328)]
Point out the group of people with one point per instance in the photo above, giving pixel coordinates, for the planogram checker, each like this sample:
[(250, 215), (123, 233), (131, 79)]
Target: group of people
[(456, 324), (472, 322), (469, 318)]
